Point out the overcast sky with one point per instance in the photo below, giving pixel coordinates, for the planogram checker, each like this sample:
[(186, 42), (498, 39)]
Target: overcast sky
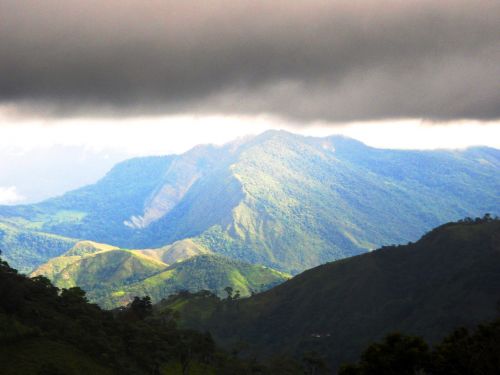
[(308, 60), (124, 77)]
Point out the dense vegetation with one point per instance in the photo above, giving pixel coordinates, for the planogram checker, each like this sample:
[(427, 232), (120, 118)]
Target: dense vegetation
[(112, 277), (278, 199), (460, 353), (29, 248), (47, 331), (449, 278), (205, 272)]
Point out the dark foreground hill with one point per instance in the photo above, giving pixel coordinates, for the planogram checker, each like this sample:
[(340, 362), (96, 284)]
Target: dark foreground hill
[(47, 331), (449, 278), (278, 199)]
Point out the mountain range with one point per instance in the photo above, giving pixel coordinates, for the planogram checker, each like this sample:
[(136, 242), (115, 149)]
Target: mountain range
[(447, 279), (279, 199), (239, 220)]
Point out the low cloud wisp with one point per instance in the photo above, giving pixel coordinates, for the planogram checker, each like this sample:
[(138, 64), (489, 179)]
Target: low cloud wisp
[(10, 195)]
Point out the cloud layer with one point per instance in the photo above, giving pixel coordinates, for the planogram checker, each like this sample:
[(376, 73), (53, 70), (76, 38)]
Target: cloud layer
[(306, 60), (9, 195)]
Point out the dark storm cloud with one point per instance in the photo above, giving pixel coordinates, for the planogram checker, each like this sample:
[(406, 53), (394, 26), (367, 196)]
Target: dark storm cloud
[(326, 60)]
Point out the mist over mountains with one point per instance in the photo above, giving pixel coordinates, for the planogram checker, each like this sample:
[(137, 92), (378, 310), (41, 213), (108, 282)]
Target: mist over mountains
[(278, 199), (38, 173)]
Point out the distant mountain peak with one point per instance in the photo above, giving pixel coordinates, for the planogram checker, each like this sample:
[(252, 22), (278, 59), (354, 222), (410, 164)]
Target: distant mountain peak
[(279, 199)]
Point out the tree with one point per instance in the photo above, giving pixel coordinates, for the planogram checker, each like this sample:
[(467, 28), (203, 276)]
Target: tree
[(229, 292), (237, 295), (314, 363), (142, 307), (5, 266), (43, 286), (194, 346), (73, 295), (397, 354), (463, 352)]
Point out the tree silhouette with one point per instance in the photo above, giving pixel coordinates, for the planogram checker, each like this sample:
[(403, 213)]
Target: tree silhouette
[(314, 364), (229, 292), (142, 307), (73, 295), (397, 354)]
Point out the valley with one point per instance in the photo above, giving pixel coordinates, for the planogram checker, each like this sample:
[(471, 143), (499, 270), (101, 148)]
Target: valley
[(278, 202), (282, 200)]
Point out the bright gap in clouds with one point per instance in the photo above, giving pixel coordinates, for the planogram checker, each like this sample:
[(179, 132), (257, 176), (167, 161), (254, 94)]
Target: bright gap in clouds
[(417, 134), (176, 134), (139, 136), (42, 159)]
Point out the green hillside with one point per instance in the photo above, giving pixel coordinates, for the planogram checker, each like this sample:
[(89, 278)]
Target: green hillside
[(278, 199), (449, 278), (175, 252), (205, 272), (97, 210), (113, 277), (47, 331), (30, 248), (106, 268)]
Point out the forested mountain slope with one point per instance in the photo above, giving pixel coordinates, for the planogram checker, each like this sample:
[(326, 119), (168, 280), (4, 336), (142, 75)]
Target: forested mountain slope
[(278, 199), (112, 277), (449, 278), (44, 330), (29, 248)]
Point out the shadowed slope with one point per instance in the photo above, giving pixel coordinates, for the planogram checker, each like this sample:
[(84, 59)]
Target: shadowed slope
[(450, 277)]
